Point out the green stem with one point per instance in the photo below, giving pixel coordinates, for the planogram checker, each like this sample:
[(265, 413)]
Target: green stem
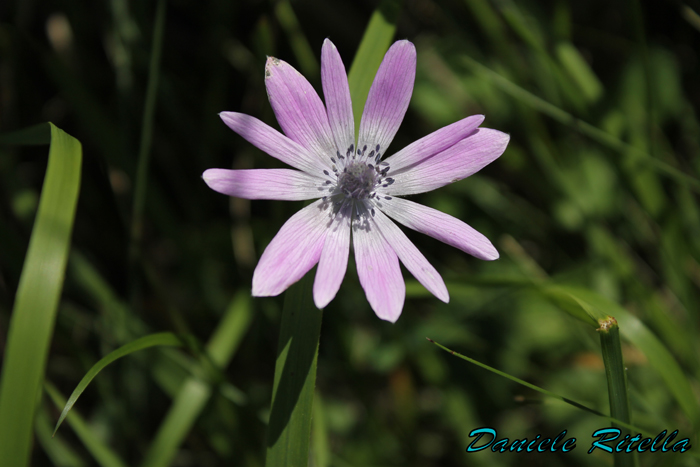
[(617, 383), (147, 133), (289, 429)]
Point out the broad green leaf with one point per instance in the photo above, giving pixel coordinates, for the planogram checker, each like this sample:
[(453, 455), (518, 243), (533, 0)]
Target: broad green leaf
[(289, 428), (102, 453), (153, 340), (375, 42), (194, 393), (38, 294)]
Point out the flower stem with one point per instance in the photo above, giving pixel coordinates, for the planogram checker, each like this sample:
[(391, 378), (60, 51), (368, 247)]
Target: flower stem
[(617, 383), (289, 428)]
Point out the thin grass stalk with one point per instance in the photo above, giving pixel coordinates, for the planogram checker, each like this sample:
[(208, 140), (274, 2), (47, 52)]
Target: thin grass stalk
[(609, 332), (147, 134)]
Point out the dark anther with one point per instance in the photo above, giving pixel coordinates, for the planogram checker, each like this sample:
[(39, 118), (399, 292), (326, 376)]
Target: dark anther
[(333, 160), (371, 153), (390, 181), (372, 212), (377, 148), (326, 172), (370, 166), (387, 197)]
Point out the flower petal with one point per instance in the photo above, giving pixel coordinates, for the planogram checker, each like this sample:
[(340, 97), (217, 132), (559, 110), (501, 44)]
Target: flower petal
[(298, 109), (411, 257), (334, 260), (279, 184), (453, 164), (337, 94), (274, 143), (388, 97), (379, 271), (441, 226), (432, 144), (295, 249)]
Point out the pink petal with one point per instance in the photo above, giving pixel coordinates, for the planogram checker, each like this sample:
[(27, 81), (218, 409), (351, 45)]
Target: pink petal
[(295, 249), (274, 143), (441, 226), (298, 109), (434, 143), (279, 184), (334, 260), (411, 257), (337, 94), (453, 164), (378, 269), (388, 97)]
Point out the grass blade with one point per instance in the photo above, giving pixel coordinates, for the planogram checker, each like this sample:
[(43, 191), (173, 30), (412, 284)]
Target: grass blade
[(102, 453), (611, 349), (565, 118), (38, 294), (289, 429), (375, 42), (60, 452), (194, 393), (566, 400), (660, 358), (153, 340), (297, 40), (147, 132)]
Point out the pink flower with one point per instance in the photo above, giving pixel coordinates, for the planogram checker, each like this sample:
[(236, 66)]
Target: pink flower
[(357, 187)]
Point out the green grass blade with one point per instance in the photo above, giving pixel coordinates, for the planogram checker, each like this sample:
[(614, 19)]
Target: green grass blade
[(102, 453), (153, 340), (38, 294), (60, 452), (321, 444), (375, 42), (565, 118), (289, 429), (610, 347), (566, 400), (632, 329), (300, 45), (147, 132), (194, 393)]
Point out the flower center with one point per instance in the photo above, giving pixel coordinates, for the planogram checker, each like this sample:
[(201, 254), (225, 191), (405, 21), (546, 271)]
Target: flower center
[(356, 177), (357, 180)]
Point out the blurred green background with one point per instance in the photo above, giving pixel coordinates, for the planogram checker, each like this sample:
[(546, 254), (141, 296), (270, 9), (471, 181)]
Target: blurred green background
[(597, 190)]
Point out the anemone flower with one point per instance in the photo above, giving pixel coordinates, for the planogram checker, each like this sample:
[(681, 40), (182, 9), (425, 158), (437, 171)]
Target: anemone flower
[(356, 186)]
